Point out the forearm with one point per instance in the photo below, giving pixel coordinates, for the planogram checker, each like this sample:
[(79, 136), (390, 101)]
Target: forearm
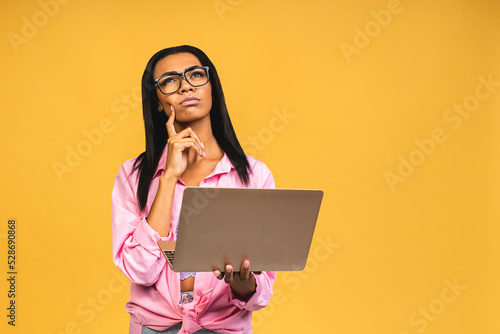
[(139, 257), (261, 295), (161, 210)]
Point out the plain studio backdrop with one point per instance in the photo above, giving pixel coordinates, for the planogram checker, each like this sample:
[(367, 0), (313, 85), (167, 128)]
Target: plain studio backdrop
[(391, 107)]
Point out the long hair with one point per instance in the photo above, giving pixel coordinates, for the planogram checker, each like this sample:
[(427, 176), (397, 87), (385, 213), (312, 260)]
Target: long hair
[(156, 132)]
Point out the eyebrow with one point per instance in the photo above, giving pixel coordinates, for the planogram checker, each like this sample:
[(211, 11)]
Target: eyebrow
[(185, 70)]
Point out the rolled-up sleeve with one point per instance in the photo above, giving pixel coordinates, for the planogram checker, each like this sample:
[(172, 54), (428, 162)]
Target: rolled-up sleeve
[(262, 295), (135, 249)]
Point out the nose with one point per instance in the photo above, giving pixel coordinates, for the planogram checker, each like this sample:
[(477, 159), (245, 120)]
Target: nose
[(185, 86)]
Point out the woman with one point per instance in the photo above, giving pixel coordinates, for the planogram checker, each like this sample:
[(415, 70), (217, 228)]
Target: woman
[(190, 141)]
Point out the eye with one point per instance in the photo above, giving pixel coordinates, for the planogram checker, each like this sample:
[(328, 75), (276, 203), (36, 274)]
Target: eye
[(198, 73), (171, 79)]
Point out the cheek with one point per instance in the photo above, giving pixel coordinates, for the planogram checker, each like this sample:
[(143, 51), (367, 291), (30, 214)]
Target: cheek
[(208, 104), (208, 94), (165, 103)]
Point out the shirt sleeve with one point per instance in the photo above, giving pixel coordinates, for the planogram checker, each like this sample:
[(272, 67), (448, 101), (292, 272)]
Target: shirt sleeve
[(263, 178), (135, 249), (262, 295)]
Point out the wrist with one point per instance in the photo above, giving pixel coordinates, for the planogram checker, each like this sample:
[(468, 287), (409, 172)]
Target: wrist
[(168, 178)]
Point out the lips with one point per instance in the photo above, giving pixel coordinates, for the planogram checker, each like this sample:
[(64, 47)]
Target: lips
[(189, 100)]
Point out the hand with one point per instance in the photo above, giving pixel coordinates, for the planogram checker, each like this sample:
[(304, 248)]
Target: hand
[(178, 147), (242, 283)]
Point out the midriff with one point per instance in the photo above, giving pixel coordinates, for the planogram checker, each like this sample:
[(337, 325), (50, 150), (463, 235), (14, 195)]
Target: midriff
[(187, 284)]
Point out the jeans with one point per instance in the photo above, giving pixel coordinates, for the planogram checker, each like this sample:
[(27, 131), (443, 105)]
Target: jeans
[(173, 330)]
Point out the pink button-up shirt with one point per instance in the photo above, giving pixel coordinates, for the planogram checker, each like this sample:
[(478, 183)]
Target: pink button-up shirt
[(155, 288)]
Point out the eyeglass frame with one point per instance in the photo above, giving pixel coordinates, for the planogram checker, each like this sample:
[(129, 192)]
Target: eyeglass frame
[(183, 75)]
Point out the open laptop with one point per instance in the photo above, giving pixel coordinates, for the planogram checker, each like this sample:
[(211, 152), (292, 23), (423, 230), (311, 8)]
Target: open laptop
[(272, 228)]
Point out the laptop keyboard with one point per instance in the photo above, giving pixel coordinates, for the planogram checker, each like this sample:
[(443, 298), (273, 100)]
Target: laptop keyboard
[(170, 256)]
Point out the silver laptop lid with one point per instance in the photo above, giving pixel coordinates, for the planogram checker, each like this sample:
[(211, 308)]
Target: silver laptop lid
[(273, 228)]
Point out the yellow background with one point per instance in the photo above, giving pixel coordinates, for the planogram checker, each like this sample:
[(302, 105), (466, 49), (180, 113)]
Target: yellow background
[(381, 257)]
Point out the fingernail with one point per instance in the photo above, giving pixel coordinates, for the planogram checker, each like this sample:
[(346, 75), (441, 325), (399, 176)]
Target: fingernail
[(246, 264), (228, 269), (172, 108), (204, 155), (202, 146)]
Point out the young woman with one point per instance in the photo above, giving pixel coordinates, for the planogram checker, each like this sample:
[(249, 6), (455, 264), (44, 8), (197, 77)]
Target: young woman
[(190, 141)]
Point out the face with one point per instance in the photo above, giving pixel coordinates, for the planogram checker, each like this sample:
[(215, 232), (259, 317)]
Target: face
[(190, 103)]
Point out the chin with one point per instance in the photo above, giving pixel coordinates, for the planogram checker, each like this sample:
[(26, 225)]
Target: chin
[(192, 114), (189, 118)]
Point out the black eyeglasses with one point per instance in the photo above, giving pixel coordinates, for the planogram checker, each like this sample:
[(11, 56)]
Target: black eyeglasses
[(171, 82)]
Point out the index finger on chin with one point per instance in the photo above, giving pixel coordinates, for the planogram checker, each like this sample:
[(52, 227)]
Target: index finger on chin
[(170, 123)]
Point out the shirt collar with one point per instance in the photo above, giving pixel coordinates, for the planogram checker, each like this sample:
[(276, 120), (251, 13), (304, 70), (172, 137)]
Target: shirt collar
[(223, 166)]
